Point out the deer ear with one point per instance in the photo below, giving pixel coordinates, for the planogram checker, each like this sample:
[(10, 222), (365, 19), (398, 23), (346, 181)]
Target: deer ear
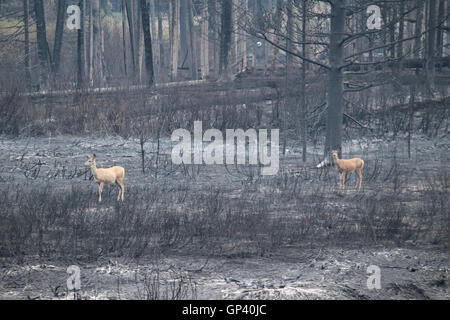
[(339, 149), (329, 148), (95, 156)]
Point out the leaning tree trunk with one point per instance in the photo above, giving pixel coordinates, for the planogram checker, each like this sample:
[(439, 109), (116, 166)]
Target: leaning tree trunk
[(335, 88), (147, 41), (42, 43)]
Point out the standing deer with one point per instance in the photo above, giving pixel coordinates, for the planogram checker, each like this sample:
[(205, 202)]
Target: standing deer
[(106, 175), (347, 165)]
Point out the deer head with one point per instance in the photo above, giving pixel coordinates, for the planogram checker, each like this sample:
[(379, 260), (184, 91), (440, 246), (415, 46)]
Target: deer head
[(90, 161), (334, 153)]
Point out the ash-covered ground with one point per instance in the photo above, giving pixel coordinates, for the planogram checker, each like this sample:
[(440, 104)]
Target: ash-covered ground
[(223, 232)]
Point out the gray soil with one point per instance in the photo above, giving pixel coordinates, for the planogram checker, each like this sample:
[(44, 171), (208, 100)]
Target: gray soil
[(291, 273)]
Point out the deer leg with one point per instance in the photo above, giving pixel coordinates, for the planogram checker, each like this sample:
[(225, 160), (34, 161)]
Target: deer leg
[(100, 189), (343, 180), (122, 189), (358, 183)]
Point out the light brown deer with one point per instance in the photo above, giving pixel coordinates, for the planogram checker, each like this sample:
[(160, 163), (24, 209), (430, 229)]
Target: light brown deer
[(106, 175), (347, 165)]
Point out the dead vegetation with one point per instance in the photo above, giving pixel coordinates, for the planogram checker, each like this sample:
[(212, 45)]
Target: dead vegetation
[(251, 215)]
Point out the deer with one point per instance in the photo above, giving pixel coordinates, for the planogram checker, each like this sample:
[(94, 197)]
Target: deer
[(106, 175), (345, 166)]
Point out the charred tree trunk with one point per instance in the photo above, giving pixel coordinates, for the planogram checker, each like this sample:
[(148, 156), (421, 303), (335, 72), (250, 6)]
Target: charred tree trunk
[(147, 41), (216, 27), (26, 14), (174, 22), (204, 40), (401, 28), (184, 35), (155, 38), (59, 31), (244, 5), (225, 39), (139, 39), (412, 93), (191, 41), (91, 45), (235, 35), (267, 45), (440, 34), (431, 45), (42, 43), (393, 14), (130, 18), (335, 86), (303, 106), (80, 48), (98, 45), (290, 37), (162, 58), (277, 25), (418, 28), (124, 43)]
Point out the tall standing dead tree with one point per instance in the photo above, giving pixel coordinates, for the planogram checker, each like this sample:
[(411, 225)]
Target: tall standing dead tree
[(335, 75), (59, 31), (191, 41), (80, 49), (174, 32), (225, 39), (26, 15), (148, 42), (42, 44)]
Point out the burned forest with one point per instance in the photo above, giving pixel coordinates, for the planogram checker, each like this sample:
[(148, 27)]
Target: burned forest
[(224, 150)]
